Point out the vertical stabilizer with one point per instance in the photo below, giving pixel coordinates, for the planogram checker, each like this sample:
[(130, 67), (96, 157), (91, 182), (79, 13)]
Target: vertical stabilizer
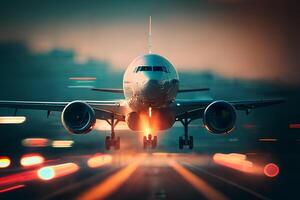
[(150, 35)]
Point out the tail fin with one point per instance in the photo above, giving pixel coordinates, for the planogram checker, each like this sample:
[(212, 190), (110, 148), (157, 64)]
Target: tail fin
[(150, 35)]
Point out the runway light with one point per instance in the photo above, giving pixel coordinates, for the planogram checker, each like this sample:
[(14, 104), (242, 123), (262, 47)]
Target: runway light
[(235, 161), (99, 160), (267, 139), (271, 170), (294, 126), (56, 171), (35, 142), (31, 160), (46, 173), (62, 143), (12, 120), (4, 162)]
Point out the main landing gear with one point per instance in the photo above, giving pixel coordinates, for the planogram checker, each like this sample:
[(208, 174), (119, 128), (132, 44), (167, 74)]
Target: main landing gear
[(112, 141), (186, 140), (150, 142)]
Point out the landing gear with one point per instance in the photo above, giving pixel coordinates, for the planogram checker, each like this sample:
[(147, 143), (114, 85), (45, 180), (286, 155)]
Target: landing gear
[(112, 141), (186, 140), (150, 142)]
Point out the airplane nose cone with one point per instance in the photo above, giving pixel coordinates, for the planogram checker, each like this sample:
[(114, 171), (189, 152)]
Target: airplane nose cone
[(153, 89)]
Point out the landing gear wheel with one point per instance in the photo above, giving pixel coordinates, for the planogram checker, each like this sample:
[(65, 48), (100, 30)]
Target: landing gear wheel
[(117, 143), (154, 142), (180, 142), (149, 142), (191, 142), (110, 142), (145, 142), (107, 142)]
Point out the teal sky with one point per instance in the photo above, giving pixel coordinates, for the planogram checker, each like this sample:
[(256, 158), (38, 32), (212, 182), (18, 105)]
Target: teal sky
[(233, 38)]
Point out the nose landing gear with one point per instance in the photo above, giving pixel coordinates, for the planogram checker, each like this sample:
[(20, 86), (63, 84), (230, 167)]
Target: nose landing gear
[(150, 142)]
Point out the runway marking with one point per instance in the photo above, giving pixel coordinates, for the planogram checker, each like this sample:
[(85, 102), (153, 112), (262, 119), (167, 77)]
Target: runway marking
[(12, 188), (245, 189), (204, 188), (112, 183)]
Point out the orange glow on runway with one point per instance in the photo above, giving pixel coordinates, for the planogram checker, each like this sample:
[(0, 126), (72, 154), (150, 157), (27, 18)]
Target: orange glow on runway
[(35, 142), (204, 188), (31, 160), (99, 160), (235, 161), (56, 171), (12, 120), (62, 143), (12, 188), (271, 170), (112, 183), (4, 162)]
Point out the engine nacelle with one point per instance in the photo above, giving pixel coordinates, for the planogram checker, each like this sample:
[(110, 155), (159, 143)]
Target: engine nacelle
[(219, 117), (159, 120), (78, 117)]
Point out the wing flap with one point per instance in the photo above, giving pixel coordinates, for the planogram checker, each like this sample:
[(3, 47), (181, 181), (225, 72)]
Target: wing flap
[(111, 90), (193, 90)]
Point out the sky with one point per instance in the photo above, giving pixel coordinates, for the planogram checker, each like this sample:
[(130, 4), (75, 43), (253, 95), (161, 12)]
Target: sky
[(255, 40)]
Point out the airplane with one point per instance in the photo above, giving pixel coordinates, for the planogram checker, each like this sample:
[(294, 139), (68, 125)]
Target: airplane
[(150, 87)]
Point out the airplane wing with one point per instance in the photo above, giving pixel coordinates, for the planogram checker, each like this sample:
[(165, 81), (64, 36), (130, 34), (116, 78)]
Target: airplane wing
[(103, 109), (193, 90), (111, 90), (194, 109)]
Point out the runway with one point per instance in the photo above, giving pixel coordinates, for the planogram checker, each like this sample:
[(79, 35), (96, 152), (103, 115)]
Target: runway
[(150, 175), (225, 167)]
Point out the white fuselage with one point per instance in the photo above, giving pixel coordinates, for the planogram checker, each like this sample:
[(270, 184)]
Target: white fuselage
[(150, 81)]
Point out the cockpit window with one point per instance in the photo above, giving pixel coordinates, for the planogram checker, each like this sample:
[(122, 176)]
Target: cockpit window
[(160, 69), (144, 68), (150, 68)]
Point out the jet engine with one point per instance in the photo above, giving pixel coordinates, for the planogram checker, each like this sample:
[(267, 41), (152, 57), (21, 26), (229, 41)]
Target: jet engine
[(78, 117), (219, 117)]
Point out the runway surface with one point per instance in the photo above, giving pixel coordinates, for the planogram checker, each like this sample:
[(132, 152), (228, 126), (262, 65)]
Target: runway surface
[(218, 168)]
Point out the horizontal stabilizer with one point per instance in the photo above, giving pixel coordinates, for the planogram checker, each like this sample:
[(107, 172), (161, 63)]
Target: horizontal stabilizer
[(193, 90), (111, 90)]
